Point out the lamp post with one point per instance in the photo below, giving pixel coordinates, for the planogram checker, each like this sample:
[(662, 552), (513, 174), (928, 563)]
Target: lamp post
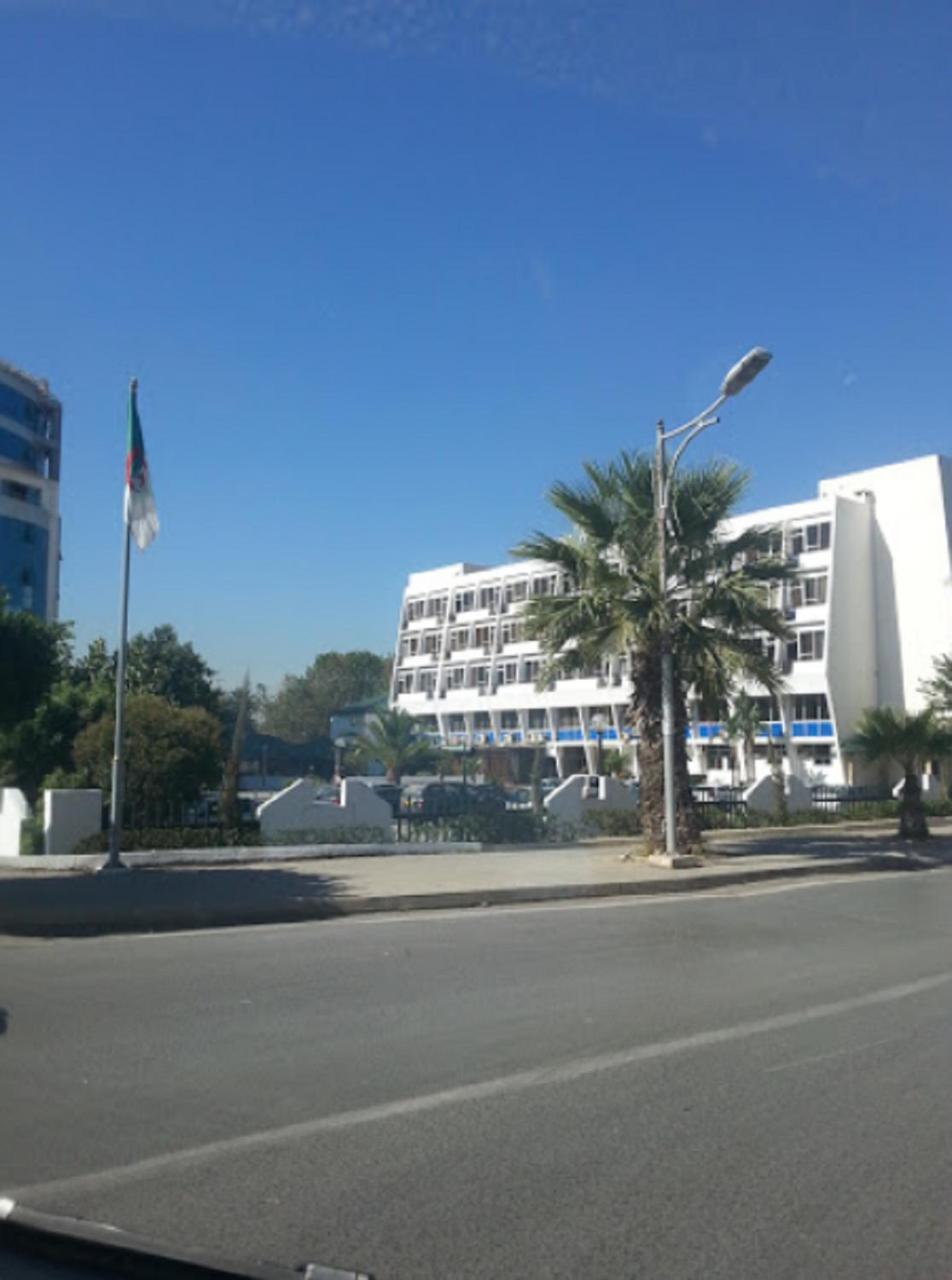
[(599, 723), (340, 746), (737, 378)]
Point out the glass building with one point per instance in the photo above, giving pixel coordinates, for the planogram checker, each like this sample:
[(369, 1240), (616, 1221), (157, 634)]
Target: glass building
[(30, 423)]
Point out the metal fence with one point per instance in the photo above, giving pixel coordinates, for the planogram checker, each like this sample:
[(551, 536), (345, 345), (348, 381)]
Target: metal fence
[(166, 815), (850, 800)]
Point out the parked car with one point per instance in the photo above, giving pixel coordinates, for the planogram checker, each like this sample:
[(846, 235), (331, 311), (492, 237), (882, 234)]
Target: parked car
[(519, 798), (449, 799), (392, 792)]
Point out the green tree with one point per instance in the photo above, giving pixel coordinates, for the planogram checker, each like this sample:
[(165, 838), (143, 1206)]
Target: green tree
[(716, 603), (33, 654), (301, 709), (96, 667), (910, 739), (743, 725), (161, 664), (394, 738), (230, 806), (171, 753), (615, 763), (42, 745), (938, 690)]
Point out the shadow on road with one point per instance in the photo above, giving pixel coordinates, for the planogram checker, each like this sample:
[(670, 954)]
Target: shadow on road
[(848, 845), (4, 1020), (162, 898)]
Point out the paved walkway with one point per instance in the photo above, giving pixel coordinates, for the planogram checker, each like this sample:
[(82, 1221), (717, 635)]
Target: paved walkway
[(53, 903)]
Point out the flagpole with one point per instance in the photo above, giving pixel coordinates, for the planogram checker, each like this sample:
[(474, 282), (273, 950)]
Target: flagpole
[(114, 861)]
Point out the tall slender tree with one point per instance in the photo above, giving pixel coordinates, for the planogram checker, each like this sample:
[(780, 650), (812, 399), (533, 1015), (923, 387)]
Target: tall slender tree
[(909, 739), (716, 605), (743, 725), (395, 739)]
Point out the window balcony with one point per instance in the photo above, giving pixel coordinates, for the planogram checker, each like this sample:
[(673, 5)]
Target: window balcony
[(800, 729)]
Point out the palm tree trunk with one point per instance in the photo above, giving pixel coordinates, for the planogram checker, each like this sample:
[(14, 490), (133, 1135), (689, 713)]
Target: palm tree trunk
[(913, 824), (646, 716)]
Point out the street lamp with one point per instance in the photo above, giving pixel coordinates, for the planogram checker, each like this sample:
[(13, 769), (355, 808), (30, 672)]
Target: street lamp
[(736, 379), (599, 723), (340, 746)]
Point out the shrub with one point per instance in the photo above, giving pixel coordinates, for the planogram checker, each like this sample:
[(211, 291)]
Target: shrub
[(328, 835), (508, 826), (141, 839), (31, 838), (614, 822)]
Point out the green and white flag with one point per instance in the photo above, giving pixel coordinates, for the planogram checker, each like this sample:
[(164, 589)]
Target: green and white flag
[(140, 512)]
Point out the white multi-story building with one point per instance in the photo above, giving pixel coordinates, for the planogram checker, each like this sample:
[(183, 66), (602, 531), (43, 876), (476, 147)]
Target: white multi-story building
[(29, 493), (869, 608)]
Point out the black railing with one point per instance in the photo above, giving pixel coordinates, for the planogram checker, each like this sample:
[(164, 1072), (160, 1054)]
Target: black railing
[(850, 800)]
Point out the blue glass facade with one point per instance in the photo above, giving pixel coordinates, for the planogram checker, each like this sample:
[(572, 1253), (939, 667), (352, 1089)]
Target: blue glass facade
[(23, 409), (29, 446), (22, 452), (24, 560)]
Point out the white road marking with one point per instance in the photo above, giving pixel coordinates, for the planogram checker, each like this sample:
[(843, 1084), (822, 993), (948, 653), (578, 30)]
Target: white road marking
[(834, 1053), (479, 1091)]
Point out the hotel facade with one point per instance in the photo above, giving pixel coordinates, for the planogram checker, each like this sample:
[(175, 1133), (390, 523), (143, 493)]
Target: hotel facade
[(869, 607)]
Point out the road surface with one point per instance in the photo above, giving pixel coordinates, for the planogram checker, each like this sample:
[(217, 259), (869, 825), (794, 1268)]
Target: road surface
[(738, 1084)]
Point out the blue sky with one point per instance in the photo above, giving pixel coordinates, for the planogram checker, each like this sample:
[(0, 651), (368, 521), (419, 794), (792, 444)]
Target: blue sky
[(387, 270)]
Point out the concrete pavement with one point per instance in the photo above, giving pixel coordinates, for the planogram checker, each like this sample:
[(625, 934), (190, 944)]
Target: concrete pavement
[(194, 897), (736, 1084)]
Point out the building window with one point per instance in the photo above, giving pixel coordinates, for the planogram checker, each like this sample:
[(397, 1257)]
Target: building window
[(465, 601), (512, 632), (509, 672), (538, 718), (509, 720), (808, 590), (405, 682), (483, 637), (480, 677), (807, 647), (768, 708), (454, 677), (428, 680), (567, 717), (489, 597), (810, 537), (436, 607), (811, 706), (481, 720), (21, 492), (545, 585), (517, 591), (459, 639), (431, 642), (530, 671), (457, 724)]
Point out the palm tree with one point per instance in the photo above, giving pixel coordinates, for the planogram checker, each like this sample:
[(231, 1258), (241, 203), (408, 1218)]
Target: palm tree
[(394, 738), (716, 604), (938, 690), (743, 725), (910, 739)]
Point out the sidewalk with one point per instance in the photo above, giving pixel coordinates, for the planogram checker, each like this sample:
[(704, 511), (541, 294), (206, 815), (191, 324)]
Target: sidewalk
[(41, 903)]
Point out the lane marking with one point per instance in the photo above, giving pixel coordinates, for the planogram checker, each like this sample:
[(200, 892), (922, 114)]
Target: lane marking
[(834, 1053), (480, 1091)]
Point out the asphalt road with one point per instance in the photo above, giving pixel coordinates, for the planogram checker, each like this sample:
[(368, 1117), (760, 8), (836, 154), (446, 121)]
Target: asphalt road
[(732, 1085)]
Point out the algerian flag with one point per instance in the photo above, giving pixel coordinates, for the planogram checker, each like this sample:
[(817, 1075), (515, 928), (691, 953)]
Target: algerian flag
[(140, 513)]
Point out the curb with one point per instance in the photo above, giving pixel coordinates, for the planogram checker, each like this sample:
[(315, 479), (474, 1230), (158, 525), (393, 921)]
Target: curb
[(80, 1242), (177, 917)]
